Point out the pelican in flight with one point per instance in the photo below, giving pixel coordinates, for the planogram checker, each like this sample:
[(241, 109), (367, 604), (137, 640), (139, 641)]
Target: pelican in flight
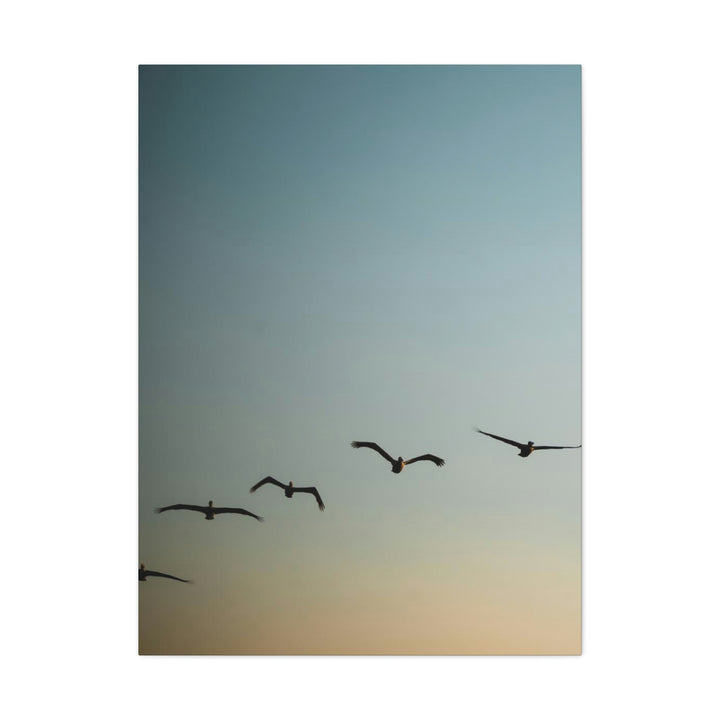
[(210, 511), (290, 489), (399, 464), (530, 446), (144, 574)]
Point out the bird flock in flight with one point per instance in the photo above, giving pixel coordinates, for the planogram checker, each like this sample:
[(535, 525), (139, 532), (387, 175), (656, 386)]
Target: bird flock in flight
[(210, 511)]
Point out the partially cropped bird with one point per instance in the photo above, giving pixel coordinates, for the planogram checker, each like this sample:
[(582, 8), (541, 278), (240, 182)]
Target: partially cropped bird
[(528, 447), (145, 573), (290, 489), (399, 464), (210, 511)]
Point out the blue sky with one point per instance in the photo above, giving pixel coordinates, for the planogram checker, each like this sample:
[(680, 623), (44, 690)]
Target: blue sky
[(375, 253)]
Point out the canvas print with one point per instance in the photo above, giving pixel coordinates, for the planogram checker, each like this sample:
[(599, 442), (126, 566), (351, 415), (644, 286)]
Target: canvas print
[(360, 360)]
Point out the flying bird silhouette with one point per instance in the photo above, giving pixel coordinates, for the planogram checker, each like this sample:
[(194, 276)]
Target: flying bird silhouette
[(530, 446), (145, 573), (290, 489), (210, 511), (399, 464)]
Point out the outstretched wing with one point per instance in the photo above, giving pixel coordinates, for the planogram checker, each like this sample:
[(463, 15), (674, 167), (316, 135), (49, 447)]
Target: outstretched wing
[(372, 446), (555, 447), (265, 481), (172, 577), (433, 458), (237, 511), (312, 491), (502, 439), (180, 507)]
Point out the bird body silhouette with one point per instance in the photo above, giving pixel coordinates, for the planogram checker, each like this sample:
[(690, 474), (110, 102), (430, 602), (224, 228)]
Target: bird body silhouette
[(399, 464), (527, 448), (210, 511), (289, 489), (144, 574)]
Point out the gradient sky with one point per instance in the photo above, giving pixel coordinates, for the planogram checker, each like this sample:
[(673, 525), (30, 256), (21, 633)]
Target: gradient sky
[(331, 254)]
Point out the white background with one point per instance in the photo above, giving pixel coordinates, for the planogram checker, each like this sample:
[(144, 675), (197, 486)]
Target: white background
[(69, 378)]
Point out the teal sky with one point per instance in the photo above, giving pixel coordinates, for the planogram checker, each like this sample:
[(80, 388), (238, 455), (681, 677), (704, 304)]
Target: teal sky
[(331, 254)]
